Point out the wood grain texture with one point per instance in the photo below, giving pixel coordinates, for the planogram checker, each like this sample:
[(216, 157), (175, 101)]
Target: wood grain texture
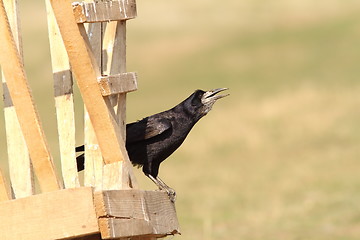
[(55, 215), (93, 172), (94, 161), (64, 102), (115, 172), (12, 66), (86, 72), (20, 168), (103, 11), (119, 83), (128, 213), (114, 48)]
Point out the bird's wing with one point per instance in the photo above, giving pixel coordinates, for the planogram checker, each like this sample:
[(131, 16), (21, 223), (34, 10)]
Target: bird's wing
[(146, 129)]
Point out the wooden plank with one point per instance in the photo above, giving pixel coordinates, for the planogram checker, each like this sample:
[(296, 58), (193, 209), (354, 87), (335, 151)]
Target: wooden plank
[(20, 168), (94, 162), (17, 83), (113, 173), (104, 11), (162, 213), (114, 45), (119, 83), (4, 189), (124, 228), (86, 73), (64, 102), (54, 215), (128, 213), (93, 158)]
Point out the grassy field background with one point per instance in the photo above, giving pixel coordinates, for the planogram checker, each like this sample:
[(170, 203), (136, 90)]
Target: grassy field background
[(279, 158)]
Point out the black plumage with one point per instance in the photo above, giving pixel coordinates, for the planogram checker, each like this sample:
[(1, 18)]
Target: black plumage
[(153, 139)]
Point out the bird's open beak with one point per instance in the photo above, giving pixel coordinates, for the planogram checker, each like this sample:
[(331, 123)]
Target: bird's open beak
[(211, 97)]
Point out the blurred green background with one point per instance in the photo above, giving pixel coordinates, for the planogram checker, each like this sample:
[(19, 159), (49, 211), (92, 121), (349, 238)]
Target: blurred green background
[(279, 158)]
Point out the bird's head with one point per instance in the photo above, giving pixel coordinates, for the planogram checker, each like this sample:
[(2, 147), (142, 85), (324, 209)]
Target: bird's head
[(201, 101)]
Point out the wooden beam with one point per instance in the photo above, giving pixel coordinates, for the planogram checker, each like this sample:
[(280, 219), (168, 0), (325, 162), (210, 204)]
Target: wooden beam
[(93, 159), (114, 45), (86, 73), (64, 102), (12, 66), (119, 83), (104, 11), (60, 214), (20, 168), (128, 213)]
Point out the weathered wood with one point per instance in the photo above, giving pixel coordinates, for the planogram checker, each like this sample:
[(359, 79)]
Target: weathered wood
[(119, 83), (94, 162), (115, 177), (116, 63), (86, 72), (53, 215), (128, 213), (114, 45), (64, 102), (115, 172), (119, 54), (103, 11), (12, 66), (93, 159), (20, 168), (4, 189)]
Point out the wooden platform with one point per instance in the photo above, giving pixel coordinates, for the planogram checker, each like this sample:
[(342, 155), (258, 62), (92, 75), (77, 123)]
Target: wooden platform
[(78, 212)]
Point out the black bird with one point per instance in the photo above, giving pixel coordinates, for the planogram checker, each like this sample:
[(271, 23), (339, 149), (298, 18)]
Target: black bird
[(153, 139)]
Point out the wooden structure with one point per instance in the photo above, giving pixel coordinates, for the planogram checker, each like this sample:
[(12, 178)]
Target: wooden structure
[(90, 36)]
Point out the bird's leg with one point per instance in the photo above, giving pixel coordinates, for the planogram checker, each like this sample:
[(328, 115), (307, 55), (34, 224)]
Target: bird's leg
[(155, 181), (162, 186)]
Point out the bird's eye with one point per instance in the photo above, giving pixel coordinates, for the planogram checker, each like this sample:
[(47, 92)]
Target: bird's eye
[(196, 101)]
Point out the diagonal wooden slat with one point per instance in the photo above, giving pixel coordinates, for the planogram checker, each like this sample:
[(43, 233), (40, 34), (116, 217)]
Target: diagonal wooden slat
[(20, 168), (17, 83)]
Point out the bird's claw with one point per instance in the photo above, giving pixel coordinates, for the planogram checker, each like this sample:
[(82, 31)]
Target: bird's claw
[(162, 186), (172, 194)]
